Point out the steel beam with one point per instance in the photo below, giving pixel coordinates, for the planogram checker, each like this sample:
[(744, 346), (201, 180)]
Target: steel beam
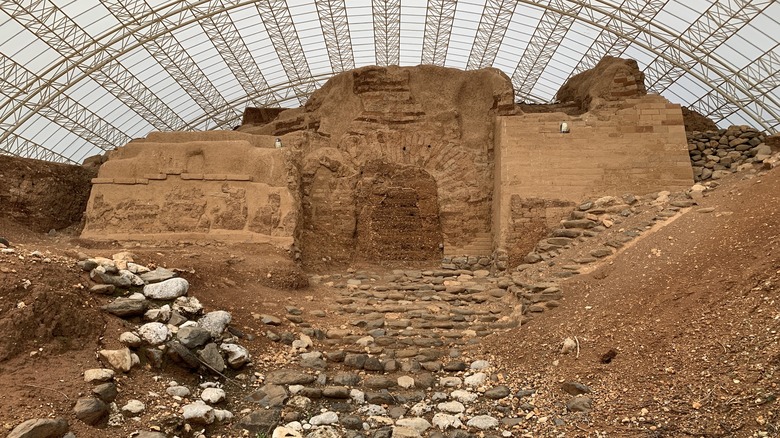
[(18, 146), (335, 30), (387, 31), (608, 43), (62, 34), (439, 18), (544, 42), (223, 33), (281, 29), (491, 30), (175, 60)]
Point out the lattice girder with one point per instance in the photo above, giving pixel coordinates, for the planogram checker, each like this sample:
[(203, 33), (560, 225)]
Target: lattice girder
[(439, 18), (335, 30), (387, 31), (490, 32)]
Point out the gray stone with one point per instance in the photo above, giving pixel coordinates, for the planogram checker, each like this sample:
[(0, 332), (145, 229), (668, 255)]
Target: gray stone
[(213, 395), (103, 289), (177, 391), (483, 422), (270, 320), (237, 356), (151, 434), (420, 425), (325, 418), (90, 410), (106, 392), (453, 407), (211, 357), (580, 404), (126, 307), (215, 322), (40, 428), (601, 252), (162, 314), (167, 290), (123, 279), (188, 306), (261, 421), (130, 339), (574, 388), (182, 355), (351, 422), (324, 432), (158, 275), (120, 360), (193, 336), (133, 407), (269, 395), (446, 421), (154, 333), (497, 392), (338, 392), (198, 413), (96, 375), (346, 379)]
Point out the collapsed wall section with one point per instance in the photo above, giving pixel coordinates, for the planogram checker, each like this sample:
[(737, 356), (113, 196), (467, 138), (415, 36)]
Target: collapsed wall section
[(429, 130), (636, 147), (219, 185)]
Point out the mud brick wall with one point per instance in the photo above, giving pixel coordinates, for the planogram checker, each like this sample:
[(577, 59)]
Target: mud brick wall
[(638, 146), (195, 185)]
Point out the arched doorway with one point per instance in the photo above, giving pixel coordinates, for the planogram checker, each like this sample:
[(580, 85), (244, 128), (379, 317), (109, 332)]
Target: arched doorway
[(397, 214)]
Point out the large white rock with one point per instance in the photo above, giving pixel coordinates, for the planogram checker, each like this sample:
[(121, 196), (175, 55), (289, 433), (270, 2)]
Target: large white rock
[(418, 424), (215, 322), (120, 360), (285, 432), (237, 356), (483, 422), (453, 407), (446, 421), (154, 333), (98, 375), (212, 395), (477, 379), (325, 418), (199, 412), (133, 407), (167, 290)]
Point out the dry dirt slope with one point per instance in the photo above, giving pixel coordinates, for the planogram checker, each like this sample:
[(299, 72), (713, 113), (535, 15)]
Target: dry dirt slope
[(693, 313)]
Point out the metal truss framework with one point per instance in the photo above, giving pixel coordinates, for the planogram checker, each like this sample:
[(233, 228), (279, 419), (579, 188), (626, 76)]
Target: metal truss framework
[(492, 27), (222, 31), (544, 43), (335, 29), (439, 18), (387, 31), (281, 29), (751, 90)]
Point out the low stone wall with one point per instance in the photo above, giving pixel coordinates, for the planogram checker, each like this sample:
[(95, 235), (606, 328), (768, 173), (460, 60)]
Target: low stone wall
[(715, 154)]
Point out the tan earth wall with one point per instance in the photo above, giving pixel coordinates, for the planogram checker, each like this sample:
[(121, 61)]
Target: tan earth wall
[(638, 147), (218, 185)]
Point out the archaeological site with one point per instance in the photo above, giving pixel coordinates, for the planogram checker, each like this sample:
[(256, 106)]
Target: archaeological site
[(446, 220)]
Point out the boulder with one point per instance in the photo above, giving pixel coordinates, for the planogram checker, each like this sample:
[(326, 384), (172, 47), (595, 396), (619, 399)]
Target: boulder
[(40, 428)]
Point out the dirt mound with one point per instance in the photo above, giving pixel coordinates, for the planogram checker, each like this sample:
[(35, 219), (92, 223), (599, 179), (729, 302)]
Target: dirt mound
[(611, 79), (697, 122), (43, 195), (691, 312), (43, 306)]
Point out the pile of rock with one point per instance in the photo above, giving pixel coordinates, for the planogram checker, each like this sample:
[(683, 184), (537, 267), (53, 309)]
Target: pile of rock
[(715, 154), (171, 325)]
